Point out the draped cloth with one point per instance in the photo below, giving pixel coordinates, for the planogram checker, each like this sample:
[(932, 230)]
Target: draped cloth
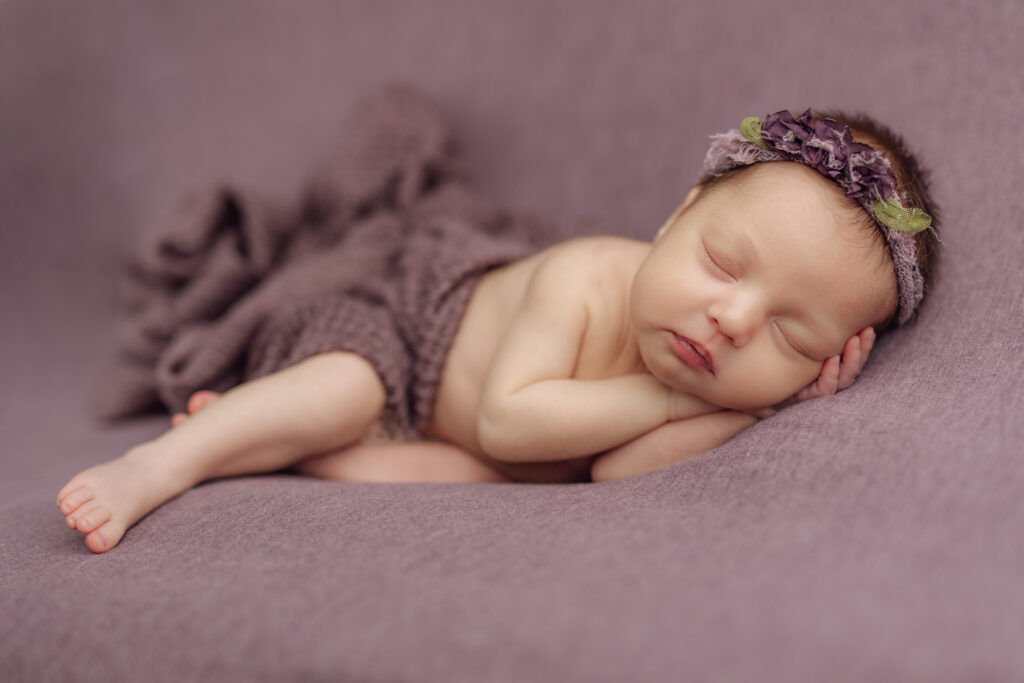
[(379, 254)]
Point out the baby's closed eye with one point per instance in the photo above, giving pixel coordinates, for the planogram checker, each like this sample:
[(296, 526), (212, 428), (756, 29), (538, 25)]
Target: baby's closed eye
[(790, 340), (720, 264)]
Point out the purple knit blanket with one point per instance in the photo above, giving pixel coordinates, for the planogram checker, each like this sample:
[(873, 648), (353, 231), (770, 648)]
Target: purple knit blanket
[(198, 293)]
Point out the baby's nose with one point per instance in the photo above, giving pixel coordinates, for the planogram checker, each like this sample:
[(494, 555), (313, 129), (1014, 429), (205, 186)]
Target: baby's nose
[(738, 318)]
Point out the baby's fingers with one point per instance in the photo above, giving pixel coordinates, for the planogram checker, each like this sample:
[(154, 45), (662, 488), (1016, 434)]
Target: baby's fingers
[(855, 356), (828, 381), (851, 362), (867, 340)]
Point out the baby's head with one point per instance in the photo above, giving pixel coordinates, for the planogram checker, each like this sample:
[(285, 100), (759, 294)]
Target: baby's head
[(802, 231)]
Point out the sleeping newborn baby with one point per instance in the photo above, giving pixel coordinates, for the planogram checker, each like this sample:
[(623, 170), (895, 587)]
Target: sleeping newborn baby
[(601, 357)]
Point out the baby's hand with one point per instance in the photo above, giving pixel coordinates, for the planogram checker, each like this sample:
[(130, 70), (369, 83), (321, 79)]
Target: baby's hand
[(682, 406), (838, 373)]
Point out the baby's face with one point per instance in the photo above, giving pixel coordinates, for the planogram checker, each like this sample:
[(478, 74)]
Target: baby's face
[(748, 290)]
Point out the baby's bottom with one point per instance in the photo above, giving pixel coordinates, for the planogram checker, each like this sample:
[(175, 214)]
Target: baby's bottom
[(323, 405), (409, 462)]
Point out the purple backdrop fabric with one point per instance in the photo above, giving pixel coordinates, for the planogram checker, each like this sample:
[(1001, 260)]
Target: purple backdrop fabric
[(875, 535)]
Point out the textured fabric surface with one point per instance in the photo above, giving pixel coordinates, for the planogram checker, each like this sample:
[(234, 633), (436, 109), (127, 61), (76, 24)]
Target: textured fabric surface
[(401, 286), (874, 535), (379, 257)]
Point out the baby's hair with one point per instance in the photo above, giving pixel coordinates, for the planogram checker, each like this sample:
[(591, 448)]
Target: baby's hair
[(912, 184)]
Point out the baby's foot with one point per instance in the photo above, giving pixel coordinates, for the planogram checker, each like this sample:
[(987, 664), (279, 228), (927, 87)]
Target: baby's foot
[(196, 402), (104, 501)]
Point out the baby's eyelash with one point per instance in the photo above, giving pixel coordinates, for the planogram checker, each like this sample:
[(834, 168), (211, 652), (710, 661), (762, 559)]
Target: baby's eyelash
[(713, 262), (792, 345)]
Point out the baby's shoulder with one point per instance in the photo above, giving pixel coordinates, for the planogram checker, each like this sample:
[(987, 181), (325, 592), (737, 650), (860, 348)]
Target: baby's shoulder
[(595, 257), (608, 246), (584, 271)]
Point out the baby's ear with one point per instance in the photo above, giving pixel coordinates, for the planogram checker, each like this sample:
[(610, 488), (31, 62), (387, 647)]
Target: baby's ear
[(691, 197)]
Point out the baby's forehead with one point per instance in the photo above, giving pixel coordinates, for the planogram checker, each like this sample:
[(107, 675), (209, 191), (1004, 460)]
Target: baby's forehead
[(785, 178), (780, 193)]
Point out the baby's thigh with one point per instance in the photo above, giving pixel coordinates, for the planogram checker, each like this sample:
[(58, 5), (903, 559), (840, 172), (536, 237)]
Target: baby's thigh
[(401, 462)]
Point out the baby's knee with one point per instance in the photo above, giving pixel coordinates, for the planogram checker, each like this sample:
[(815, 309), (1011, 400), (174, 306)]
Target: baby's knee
[(348, 382)]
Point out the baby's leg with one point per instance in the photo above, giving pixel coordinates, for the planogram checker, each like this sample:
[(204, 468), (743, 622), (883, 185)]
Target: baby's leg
[(319, 405), (413, 461), (196, 402), (389, 462)]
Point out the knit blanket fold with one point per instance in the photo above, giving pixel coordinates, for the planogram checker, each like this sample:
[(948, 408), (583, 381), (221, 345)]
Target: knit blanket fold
[(197, 295)]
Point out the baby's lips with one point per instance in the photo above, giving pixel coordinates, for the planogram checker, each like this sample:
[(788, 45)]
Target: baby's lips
[(692, 353)]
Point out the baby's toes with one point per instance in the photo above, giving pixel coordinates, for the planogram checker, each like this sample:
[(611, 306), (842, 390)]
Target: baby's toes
[(81, 511), (71, 501), (200, 400), (104, 538), (178, 418), (92, 519)]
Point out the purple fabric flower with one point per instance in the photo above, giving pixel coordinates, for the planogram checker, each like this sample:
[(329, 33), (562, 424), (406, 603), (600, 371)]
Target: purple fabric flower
[(869, 174), (826, 151), (827, 146), (786, 134)]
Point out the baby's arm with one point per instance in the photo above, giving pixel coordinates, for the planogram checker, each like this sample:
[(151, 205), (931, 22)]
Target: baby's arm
[(531, 409), (669, 444), (681, 440)]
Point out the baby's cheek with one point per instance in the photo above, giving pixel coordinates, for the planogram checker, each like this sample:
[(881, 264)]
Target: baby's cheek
[(775, 384), (804, 373)]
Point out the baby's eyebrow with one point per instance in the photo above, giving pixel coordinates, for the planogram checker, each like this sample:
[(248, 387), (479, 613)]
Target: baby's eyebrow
[(734, 235), (745, 246)]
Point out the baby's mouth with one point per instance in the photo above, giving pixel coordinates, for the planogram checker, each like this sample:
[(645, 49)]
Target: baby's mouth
[(692, 353)]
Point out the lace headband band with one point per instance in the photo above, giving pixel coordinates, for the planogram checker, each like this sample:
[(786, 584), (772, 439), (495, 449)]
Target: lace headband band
[(862, 171)]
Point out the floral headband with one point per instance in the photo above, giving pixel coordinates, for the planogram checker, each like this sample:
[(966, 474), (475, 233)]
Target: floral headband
[(864, 172)]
